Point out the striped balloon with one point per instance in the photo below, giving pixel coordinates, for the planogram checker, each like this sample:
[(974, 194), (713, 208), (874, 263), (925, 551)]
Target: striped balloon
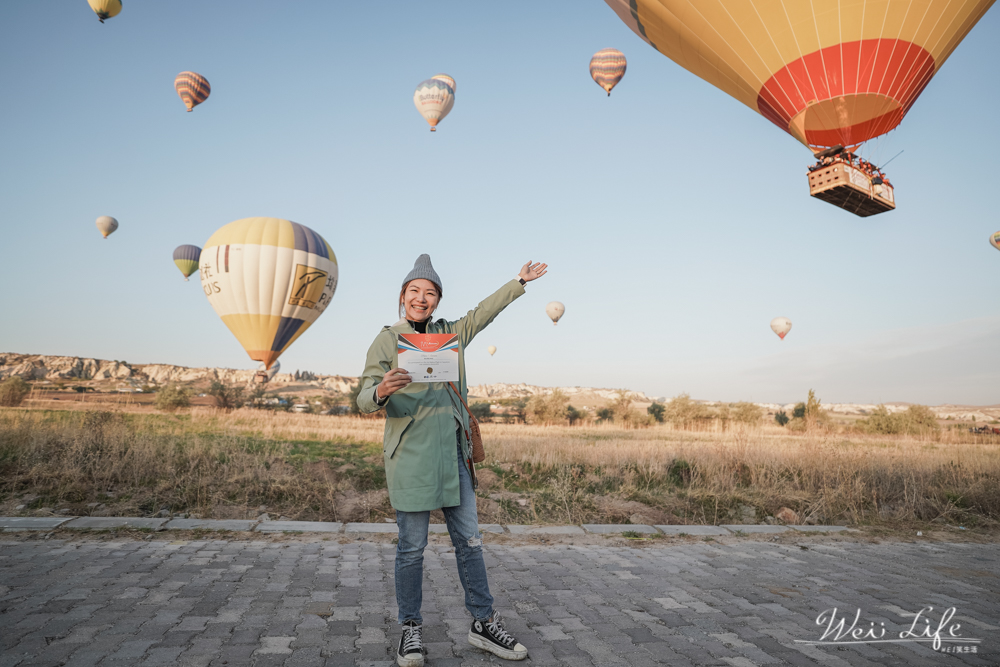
[(193, 89), (995, 240), (269, 280), (447, 79), (434, 99), (105, 9), (186, 259), (607, 68)]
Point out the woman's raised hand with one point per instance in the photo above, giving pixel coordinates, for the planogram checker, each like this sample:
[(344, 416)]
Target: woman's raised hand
[(392, 382), (531, 271)]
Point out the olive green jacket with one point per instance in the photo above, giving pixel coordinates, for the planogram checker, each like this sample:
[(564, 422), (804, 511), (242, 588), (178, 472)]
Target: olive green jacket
[(419, 448)]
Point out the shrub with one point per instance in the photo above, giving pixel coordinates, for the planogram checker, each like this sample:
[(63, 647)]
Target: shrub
[(605, 415), (656, 410), (13, 391), (915, 420), (781, 417), (227, 396), (545, 409), (173, 397), (747, 413), (481, 411), (573, 415), (683, 412)]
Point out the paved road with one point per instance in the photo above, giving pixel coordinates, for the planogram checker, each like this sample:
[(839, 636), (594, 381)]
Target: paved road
[(299, 602)]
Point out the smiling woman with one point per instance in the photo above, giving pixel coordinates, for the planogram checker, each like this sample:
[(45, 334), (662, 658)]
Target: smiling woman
[(428, 458)]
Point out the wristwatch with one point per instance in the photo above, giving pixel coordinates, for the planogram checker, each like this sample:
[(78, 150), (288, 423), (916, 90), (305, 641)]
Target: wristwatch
[(522, 280)]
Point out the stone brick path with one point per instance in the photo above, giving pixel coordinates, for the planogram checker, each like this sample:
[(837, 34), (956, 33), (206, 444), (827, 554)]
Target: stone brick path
[(297, 602)]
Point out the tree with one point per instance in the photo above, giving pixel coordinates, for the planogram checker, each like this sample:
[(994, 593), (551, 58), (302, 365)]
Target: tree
[(13, 391), (799, 411), (227, 396), (573, 415), (657, 410), (545, 409), (481, 411), (622, 406), (172, 397), (781, 417), (915, 420), (605, 415), (747, 413), (682, 412)]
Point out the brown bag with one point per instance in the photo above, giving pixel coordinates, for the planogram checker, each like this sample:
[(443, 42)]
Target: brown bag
[(474, 436)]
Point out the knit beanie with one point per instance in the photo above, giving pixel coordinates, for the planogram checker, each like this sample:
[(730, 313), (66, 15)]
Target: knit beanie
[(422, 269)]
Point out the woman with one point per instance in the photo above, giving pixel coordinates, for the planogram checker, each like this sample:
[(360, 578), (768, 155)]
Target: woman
[(428, 460)]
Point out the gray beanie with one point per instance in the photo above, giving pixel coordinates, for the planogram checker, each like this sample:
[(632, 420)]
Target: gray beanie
[(422, 269)]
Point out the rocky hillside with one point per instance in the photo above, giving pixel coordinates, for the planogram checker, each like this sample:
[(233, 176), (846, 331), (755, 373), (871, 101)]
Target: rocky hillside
[(503, 390)]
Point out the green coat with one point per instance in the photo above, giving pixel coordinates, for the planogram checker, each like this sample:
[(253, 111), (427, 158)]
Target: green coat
[(421, 463)]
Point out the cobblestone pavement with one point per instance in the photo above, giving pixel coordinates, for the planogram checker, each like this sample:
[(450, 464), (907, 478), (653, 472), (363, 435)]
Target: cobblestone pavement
[(297, 602)]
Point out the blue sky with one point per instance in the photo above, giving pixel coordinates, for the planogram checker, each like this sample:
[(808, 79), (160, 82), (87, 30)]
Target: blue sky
[(676, 221)]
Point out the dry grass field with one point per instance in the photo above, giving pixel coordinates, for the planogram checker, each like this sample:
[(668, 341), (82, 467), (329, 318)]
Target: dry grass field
[(127, 459)]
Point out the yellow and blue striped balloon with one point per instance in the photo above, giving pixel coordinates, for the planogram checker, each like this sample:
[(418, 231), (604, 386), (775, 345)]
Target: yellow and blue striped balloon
[(186, 259), (105, 9), (193, 89), (607, 68), (269, 280)]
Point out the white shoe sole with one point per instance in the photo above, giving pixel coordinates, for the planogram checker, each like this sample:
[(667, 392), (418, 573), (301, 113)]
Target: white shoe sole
[(415, 661), (506, 654)]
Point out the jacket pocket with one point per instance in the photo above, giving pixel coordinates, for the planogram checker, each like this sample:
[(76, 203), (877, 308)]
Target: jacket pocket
[(394, 429)]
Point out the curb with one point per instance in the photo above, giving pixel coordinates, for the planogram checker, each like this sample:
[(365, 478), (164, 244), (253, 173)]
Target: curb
[(18, 524)]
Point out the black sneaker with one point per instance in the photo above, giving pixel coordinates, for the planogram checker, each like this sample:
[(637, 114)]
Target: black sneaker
[(490, 635), (411, 647)]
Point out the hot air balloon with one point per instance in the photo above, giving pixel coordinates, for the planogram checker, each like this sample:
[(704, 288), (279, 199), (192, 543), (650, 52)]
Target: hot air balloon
[(447, 79), (995, 240), (193, 89), (105, 9), (555, 310), (269, 280), (434, 99), (106, 225), (186, 259), (607, 68), (781, 326), (831, 74), (492, 349), (265, 374)]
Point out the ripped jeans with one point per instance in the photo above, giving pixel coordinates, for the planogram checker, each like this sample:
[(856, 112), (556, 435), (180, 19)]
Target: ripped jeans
[(463, 526)]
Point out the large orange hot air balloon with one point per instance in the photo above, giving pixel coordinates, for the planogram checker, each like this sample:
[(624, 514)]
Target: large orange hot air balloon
[(828, 73)]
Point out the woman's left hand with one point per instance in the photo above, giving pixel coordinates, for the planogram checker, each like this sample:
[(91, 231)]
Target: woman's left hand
[(531, 271)]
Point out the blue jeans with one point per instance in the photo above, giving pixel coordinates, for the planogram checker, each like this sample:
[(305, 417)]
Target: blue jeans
[(463, 526)]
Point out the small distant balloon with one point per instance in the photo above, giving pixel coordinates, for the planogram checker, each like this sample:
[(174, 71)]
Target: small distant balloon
[(106, 225), (265, 374), (781, 326), (607, 68), (186, 258), (447, 79), (434, 98), (995, 240), (105, 9), (193, 89), (492, 349), (555, 311)]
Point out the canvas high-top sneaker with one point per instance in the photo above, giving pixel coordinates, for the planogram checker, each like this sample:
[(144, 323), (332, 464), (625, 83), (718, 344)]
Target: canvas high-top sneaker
[(491, 636), (411, 646)]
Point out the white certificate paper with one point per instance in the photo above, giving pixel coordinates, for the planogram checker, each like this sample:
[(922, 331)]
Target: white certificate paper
[(429, 357)]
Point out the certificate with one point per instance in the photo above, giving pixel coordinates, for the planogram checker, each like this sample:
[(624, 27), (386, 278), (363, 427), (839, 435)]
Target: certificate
[(429, 357)]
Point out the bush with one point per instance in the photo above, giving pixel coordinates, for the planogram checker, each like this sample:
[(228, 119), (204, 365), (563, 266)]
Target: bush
[(781, 417), (747, 413), (573, 415), (481, 411), (173, 397), (227, 396), (656, 410), (13, 391), (545, 409), (682, 412), (915, 420), (605, 415)]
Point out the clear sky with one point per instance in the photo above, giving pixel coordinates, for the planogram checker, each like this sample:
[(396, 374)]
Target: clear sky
[(676, 222)]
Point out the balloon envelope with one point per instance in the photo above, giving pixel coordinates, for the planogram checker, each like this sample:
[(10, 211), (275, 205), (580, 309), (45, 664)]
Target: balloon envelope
[(105, 9), (434, 99), (828, 73), (447, 79), (995, 240), (492, 349), (607, 68), (265, 374), (269, 280), (106, 225), (781, 326), (192, 88), (186, 259), (555, 310)]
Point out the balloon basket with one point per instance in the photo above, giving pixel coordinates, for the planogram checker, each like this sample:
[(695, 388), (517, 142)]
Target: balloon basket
[(851, 189), (433, 129)]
